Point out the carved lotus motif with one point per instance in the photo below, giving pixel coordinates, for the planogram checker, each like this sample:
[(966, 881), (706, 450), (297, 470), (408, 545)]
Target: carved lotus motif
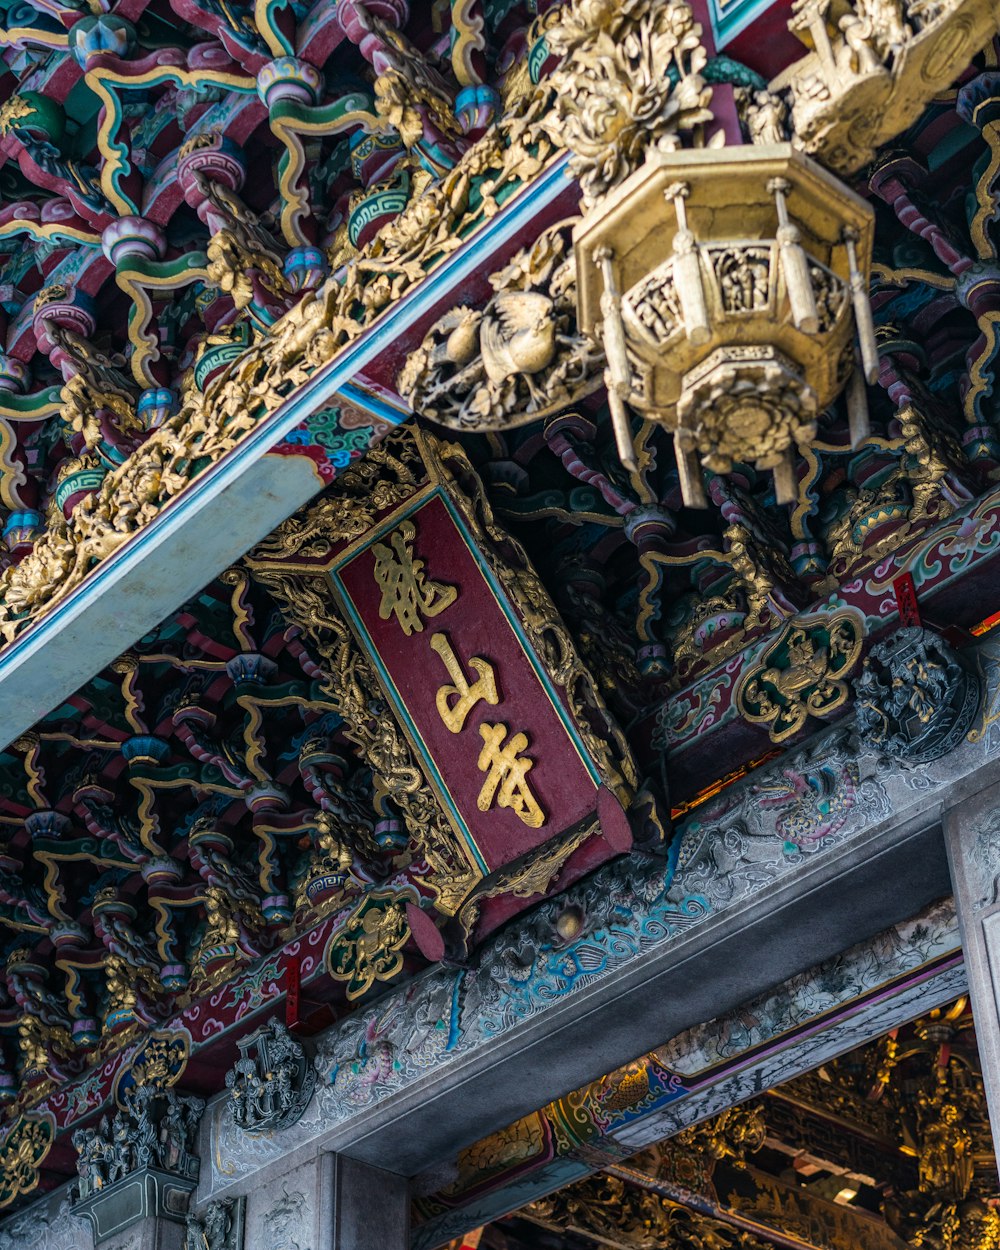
[(746, 404)]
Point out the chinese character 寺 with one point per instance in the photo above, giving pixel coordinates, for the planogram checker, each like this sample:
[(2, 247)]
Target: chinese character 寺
[(407, 591), (507, 771), (454, 703)]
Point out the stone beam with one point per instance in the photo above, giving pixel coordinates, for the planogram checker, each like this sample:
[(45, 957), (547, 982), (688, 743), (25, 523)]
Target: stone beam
[(875, 986), (972, 832), (795, 864)]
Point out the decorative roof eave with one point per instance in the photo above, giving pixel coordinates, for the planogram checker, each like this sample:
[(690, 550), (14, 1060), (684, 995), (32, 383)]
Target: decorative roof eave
[(152, 537), (941, 561), (138, 527)]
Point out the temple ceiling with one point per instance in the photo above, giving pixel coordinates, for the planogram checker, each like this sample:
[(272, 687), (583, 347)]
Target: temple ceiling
[(200, 207)]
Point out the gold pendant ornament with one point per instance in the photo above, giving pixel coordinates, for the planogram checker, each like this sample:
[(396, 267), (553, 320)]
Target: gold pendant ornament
[(728, 285)]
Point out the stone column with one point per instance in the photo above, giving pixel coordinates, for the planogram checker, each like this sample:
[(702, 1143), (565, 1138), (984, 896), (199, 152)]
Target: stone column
[(324, 1201), (363, 1207), (972, 837), (149, 1234)]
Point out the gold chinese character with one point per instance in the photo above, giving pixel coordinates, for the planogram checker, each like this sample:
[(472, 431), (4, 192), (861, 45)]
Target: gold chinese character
[(507, 775), (465, 696), (406, 589)]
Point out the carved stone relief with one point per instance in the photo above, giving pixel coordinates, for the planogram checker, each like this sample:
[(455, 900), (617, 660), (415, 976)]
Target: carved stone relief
[(282, 1214), (272, 1082), (915, 699), (155, 1128), (46, 1225), (218, 1227), (984, 860), (139, 1164)]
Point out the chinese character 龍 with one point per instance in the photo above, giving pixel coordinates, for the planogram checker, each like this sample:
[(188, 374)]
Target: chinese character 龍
[(407, 591)]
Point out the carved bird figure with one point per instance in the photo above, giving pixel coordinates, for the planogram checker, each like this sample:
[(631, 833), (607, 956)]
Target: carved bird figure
[(462, 343), (518, 334)]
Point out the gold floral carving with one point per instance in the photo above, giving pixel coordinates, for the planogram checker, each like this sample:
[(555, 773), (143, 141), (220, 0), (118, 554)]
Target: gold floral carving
[(616, 97), (731, 1136), (22, 1152), (527, 877), (158, 1062)]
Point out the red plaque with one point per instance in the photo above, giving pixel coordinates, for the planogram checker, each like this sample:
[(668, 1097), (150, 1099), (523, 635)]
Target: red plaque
[(494, 734)]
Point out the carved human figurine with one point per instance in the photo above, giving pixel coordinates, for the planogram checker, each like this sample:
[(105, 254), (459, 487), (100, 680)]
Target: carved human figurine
[(172, 1133), (212, 1231), (244, 1086), (857, 54), (886, 26), (93, 1158), (122, 1153), (767, 117), (194, 1233), (143, 1130), (946, 1161)]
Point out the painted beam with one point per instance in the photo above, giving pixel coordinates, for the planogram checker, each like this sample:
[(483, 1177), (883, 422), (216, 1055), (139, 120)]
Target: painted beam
[(234, 504)]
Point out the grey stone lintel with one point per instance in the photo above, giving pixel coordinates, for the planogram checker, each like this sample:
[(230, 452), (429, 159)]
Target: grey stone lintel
[(821, 850)]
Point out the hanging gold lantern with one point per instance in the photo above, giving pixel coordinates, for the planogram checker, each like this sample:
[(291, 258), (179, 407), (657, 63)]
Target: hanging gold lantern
[(729, 286)]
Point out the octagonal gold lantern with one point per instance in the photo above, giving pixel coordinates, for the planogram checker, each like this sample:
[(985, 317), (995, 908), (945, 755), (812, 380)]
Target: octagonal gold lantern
[(729, 286)]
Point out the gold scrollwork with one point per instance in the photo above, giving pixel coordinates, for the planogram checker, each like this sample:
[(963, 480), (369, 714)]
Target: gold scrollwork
[(802, 673), (22, 1153)]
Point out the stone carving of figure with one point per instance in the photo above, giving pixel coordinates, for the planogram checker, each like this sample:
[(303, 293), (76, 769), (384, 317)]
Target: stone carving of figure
[(172, 1135), (142, 1128), (122, 1155), (93, 1158), (213, 1231), (194, 1233), (272, 1081)]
